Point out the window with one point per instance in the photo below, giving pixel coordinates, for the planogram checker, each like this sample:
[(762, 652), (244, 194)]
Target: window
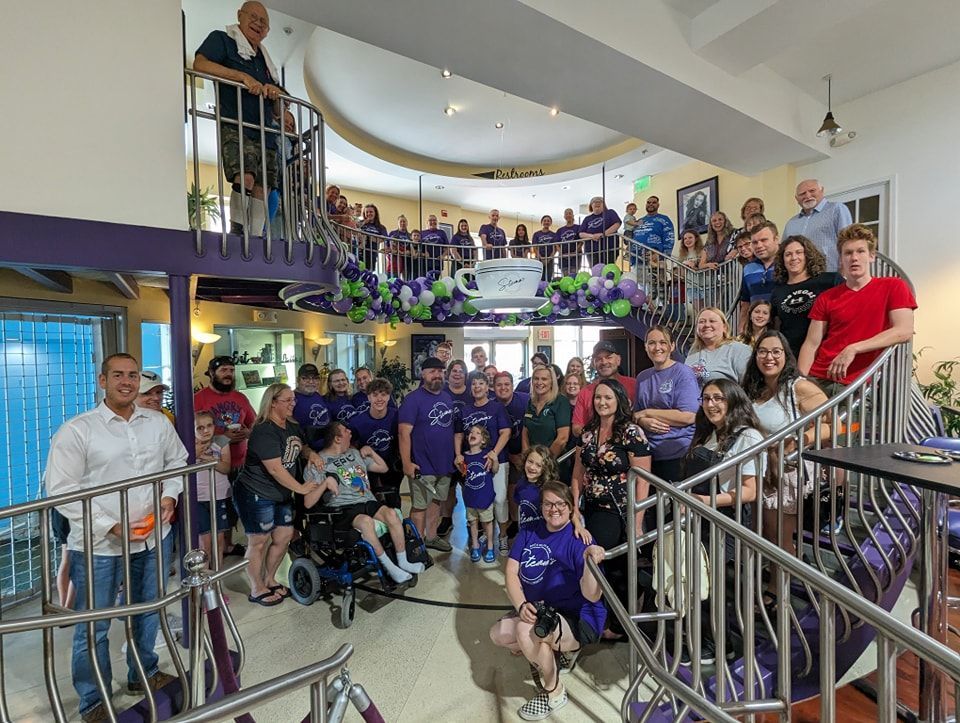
[(155, 351), (869, 205), (48, 374), (571, 340), (350, 351)]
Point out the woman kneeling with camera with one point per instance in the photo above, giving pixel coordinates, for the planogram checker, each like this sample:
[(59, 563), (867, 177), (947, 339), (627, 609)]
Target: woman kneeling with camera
[(556, 598)]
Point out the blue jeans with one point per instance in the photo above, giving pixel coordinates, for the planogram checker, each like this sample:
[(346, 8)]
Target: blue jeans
[(107, 579)]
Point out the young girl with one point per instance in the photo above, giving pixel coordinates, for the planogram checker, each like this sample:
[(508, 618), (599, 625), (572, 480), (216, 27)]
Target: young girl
[(759, 316), (539, 466), (691, 249), (208, 451), (478, 493)]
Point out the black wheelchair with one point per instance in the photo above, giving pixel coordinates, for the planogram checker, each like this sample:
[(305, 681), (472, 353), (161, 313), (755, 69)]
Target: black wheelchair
[(328, 561)]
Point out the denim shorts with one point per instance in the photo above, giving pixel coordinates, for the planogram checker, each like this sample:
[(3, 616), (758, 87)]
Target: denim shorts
[(222, 521), (259, 515)]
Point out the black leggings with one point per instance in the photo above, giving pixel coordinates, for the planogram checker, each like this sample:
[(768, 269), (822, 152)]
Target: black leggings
[(609, 530)]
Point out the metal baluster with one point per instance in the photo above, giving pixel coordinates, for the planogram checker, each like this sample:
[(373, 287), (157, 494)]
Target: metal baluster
[(887, 679), (198, 214), (132, 647), (101, 682), (224, 221), (49, 667), (244, 201)]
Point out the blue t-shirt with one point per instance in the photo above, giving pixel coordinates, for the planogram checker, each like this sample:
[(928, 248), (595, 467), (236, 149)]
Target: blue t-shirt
[(516, 408), (492, 416), (478, 492), (551, 565), (527, 496), (497, 238), (758, 282), (433, 417), (220, 48), (655, 232), (342, 407), (313, 416), (433, 241), (675, 387), (380, 434)]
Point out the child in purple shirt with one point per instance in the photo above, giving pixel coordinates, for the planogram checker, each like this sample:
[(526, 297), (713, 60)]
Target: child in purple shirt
[(538, 466), (478, 493)]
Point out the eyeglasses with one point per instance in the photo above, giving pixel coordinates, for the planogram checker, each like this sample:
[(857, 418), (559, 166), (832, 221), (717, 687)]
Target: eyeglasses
[(717, 398), (561, 505), (772, 353)]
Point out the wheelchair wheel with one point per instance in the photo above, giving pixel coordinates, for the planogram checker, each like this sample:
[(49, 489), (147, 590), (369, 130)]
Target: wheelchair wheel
[(348, 607), (304, 581)]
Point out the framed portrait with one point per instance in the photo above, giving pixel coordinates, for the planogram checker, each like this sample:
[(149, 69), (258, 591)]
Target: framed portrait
[(423, 346), (546, 350), (696, 203), (447, 227)]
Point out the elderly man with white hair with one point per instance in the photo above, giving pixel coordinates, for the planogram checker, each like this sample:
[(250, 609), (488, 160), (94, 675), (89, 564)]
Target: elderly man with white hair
[(819, 220)]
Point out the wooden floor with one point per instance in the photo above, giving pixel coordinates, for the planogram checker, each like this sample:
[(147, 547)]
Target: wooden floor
[(855, 707)]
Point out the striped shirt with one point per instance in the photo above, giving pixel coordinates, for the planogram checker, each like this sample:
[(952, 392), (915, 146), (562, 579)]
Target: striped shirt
[(821, 226)]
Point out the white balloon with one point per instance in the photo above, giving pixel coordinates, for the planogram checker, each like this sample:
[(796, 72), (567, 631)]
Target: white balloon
[(405, 293), (449, 283), (608, 284), (381, 277), (427, 298), (405, 305), (457, 307)]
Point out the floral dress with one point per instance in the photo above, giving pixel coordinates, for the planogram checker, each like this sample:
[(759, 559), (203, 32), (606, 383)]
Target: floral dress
[(606, 468)]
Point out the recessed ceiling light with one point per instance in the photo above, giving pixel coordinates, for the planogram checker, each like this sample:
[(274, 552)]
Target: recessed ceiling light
[(618, 176), (439, 188), (446, 73), (449, 110), (564, 188), (498, 125), (554, 111), (533, 195)]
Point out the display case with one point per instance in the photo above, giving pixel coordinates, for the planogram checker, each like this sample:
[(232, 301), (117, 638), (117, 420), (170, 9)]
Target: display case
[(262, 357)]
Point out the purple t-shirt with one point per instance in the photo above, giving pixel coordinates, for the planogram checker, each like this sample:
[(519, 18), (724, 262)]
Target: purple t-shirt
[(672, 388), (527, 497), (516, 408), (491, 415), (468, 249), (374, 228), (400, 239), (313, 416), (597, 223), (460, 400), (478, 492), (342, 407), (543, 242), (380, 434), (432, 241), (497, 238), (433, 417), (551, 565), (567, 239)]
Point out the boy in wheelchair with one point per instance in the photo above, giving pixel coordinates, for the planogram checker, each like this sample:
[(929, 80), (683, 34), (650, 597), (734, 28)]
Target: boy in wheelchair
[(345, 489)]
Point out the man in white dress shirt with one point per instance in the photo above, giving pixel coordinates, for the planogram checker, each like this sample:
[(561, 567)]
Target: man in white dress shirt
[(116, 440)]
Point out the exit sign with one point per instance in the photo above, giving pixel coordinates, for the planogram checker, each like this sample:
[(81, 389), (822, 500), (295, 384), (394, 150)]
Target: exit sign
[(642, 184)]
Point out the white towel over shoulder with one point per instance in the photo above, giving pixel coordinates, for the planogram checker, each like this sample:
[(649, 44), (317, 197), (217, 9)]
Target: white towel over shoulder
[(246, 51)]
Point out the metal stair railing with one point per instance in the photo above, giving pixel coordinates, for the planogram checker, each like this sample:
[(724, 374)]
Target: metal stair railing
[(302, 176)]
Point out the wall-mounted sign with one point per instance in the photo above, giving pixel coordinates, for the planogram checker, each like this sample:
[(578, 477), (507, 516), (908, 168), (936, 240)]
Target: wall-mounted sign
[(510, 174), (443, 214), (544, 333), (642, 184)]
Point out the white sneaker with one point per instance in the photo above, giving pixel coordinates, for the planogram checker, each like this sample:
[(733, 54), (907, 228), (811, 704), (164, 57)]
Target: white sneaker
[(541, 706)]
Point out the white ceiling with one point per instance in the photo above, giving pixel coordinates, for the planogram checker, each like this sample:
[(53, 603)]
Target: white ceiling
[(400, 102)]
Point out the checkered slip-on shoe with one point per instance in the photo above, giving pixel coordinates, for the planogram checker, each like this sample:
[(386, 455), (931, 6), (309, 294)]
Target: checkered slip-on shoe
[(567, 662), (541, 706)]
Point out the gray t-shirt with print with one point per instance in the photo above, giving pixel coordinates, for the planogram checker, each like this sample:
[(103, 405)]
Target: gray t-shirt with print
[(351, 469)]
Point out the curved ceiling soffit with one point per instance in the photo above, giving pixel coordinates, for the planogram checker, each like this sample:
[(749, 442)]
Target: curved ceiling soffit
[(424, 164)]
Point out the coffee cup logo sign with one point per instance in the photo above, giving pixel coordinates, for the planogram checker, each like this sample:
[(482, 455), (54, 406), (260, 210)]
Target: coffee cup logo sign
[(508, 283), (510, 174), (528, 512)]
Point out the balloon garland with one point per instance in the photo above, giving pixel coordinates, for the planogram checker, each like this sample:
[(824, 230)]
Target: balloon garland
[(367, 296)]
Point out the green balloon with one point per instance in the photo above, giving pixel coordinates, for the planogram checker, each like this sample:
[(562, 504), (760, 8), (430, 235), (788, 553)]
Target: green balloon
[(439, 290), (620, 308), (396, 303), (545, 310), (469, 308), (581, 278), (567, 285), (611, 268), (357, 314)]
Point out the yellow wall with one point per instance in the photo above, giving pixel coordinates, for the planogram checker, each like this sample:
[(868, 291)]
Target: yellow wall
[(775, 187)]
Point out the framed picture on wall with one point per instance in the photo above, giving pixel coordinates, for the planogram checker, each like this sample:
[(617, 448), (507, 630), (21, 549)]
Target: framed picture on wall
[(447, 228), (696, 203), (545, 349), (422, 346)]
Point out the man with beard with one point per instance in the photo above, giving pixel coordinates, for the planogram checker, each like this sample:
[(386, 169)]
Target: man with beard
[(377, 428), (606, 361), (426, 428), (233, 418), (311, 410)]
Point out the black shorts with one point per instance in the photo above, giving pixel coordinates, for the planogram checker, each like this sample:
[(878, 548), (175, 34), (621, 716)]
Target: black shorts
[(347, 514), (582, 630), (59, 526)]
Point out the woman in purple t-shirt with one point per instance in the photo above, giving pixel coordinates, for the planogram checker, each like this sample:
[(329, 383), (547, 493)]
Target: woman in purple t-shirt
[(547, 568), (520, 243), (599, 233)]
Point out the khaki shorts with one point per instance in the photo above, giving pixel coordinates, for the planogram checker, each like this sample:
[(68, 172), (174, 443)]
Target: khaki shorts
[(428, 488), (230, 153), (484, 515)]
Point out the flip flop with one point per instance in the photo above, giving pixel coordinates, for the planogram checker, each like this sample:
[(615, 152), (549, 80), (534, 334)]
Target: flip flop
[(280, 590), (261, 599)]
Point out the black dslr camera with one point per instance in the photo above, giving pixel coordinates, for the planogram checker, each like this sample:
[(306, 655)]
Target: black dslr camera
[(547, 620)]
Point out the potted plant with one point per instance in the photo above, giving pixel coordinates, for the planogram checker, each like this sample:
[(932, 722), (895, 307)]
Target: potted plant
[(203, 202), (396, 372), (944, 391)]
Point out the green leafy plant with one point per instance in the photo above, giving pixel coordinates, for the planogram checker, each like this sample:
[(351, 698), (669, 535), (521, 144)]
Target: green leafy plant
[(203, 201), (944, 391), (397, 373)]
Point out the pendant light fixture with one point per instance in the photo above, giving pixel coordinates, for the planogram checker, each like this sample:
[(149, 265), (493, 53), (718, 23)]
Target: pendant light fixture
[(829, 127)]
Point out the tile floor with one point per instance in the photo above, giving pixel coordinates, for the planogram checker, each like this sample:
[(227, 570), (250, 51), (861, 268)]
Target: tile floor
[(418, 662)]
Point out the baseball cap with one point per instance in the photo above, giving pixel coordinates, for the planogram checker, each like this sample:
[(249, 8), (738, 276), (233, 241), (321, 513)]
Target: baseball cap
[(150, 380), (432, 363), (308, 370), (217, 362), (604, 347)]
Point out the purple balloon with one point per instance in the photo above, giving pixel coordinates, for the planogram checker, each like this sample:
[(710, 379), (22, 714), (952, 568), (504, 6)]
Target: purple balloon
[(597, 269), (628, 287), (542, 286), (371, 315), (638, 298), (614, 294), (604, 295), (343, 306), (441, 316), (555, 298)]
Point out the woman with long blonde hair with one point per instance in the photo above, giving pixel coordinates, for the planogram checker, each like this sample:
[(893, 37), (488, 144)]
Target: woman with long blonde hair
[(715, 354)]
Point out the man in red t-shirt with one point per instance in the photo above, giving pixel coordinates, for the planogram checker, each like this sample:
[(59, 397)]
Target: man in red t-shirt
[(233, 417), (852, 323), (606, 361)]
